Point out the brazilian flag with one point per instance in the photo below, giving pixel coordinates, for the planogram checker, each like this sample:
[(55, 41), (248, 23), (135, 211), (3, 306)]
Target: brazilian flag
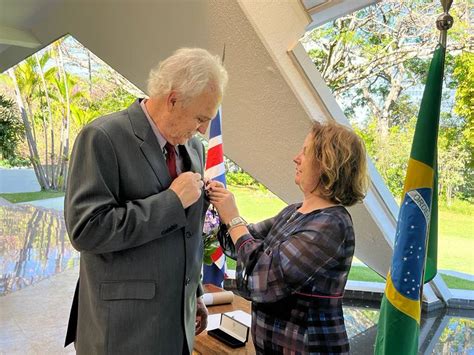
[(416, 236)]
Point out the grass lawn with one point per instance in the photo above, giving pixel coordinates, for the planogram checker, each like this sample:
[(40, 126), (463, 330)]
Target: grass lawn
[(255, 205), (363, 273), (456, 282), (456, 241), (30, 196)]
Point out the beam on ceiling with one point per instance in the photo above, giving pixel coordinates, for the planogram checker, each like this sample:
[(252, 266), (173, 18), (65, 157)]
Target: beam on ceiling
[(15, 37)]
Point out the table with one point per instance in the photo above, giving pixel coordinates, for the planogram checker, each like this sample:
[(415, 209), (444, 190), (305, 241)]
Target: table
[(207, 345)]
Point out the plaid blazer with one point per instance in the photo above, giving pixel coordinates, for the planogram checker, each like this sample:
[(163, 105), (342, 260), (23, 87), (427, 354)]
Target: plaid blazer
[(294, 268)]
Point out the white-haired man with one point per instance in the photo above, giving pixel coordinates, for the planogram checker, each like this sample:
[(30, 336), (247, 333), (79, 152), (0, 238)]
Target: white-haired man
[(134, 208)]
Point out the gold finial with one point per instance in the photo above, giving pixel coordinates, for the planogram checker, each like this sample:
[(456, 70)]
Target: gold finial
[(444, 21)]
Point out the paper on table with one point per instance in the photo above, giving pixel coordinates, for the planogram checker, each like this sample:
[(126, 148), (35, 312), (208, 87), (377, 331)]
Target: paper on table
[(214, 320), (241, 316)]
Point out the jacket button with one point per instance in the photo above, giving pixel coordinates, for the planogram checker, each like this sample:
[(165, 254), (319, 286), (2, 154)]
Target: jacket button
[(188, 234), (187, 281)]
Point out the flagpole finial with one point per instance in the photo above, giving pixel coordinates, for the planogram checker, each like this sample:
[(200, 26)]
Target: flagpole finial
[(444, 21), (446, 5)]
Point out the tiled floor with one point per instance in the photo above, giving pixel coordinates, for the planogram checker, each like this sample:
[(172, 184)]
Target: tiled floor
[(34, 320)]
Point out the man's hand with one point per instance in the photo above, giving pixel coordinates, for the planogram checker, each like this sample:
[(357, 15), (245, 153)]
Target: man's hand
[(201, 316), (188, 187)]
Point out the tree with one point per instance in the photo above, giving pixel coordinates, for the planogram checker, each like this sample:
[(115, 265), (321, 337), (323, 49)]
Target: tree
[(370, 57), (376, 61), (54, 104), (11, 129), (30, 137), (464, 80), (45, 100)]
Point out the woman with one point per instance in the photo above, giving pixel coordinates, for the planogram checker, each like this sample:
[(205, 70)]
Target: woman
[(294, 266)]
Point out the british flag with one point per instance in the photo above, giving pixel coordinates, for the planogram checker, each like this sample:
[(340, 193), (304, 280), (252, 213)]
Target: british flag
[(215, 170)]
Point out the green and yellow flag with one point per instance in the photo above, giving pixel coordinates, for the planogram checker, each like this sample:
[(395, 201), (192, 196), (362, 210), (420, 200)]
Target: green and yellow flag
[(416, 236)]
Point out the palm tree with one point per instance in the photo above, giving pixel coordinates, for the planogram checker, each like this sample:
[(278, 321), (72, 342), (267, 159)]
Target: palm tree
[(48, 127), (51, 93), (29, 85), (68, 99)]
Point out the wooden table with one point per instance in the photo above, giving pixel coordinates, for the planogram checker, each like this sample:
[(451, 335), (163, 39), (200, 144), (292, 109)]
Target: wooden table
[(207, 345)]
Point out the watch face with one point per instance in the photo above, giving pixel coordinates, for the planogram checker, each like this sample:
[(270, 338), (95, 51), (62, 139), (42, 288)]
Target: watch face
[(236, 220)]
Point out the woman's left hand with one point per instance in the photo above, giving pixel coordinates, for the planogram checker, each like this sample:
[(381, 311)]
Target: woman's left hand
[(223, 200)]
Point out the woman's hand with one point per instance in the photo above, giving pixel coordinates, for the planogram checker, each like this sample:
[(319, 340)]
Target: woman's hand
[(223, 200)]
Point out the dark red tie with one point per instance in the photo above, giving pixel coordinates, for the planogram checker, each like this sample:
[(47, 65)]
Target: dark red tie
[(171, 160)]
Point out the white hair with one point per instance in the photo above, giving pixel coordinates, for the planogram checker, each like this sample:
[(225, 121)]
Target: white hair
[(189, 72)]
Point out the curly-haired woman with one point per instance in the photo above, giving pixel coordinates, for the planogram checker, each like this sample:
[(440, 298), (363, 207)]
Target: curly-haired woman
[(294, 266)]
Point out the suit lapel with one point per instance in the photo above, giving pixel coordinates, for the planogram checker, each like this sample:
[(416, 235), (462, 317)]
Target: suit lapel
[(149, 145), (194, 162), (152, 151)]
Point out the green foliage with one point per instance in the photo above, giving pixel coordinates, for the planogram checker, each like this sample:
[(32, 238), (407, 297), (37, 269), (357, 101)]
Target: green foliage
[(241, 179), (116, 100), (464, 106), (452, 161), (377, 73), (14, 162), (456, 337), (458, 207), (391, 155), (210, 245), (11, 132)]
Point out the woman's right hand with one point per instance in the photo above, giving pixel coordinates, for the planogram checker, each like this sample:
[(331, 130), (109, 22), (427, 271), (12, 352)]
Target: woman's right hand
[(223, 200)]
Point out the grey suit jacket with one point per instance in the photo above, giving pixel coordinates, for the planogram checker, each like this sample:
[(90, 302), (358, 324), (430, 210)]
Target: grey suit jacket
[(141, 252)]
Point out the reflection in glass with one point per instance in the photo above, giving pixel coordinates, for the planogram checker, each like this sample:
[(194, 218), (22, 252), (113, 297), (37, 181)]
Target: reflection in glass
[(456, 338), (33, 246), (358, 319)]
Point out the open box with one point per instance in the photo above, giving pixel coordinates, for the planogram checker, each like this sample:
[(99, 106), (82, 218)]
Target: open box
[(231, 331)]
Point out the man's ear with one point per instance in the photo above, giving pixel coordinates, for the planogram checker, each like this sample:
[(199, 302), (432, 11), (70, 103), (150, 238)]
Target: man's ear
[(171, 100)]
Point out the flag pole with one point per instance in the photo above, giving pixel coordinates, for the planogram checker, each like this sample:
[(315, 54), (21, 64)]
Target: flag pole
[(443, 23), (400, 311), (216, 272)]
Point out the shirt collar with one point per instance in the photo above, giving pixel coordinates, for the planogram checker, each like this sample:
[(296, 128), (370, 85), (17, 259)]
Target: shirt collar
[(161, 140)]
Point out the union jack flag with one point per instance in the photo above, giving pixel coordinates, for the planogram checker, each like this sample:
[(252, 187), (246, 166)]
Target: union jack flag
[(215, 170)]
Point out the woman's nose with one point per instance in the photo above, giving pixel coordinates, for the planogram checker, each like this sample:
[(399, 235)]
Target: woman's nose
[(297, 158)]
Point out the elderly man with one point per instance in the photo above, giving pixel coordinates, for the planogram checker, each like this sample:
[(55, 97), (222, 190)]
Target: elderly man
[(134, 208)]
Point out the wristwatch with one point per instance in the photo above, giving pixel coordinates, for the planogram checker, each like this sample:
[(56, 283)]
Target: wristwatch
[(236, 221)]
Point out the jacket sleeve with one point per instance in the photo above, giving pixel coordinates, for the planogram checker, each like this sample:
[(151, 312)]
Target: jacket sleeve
[(260, 230), (95, 220)]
